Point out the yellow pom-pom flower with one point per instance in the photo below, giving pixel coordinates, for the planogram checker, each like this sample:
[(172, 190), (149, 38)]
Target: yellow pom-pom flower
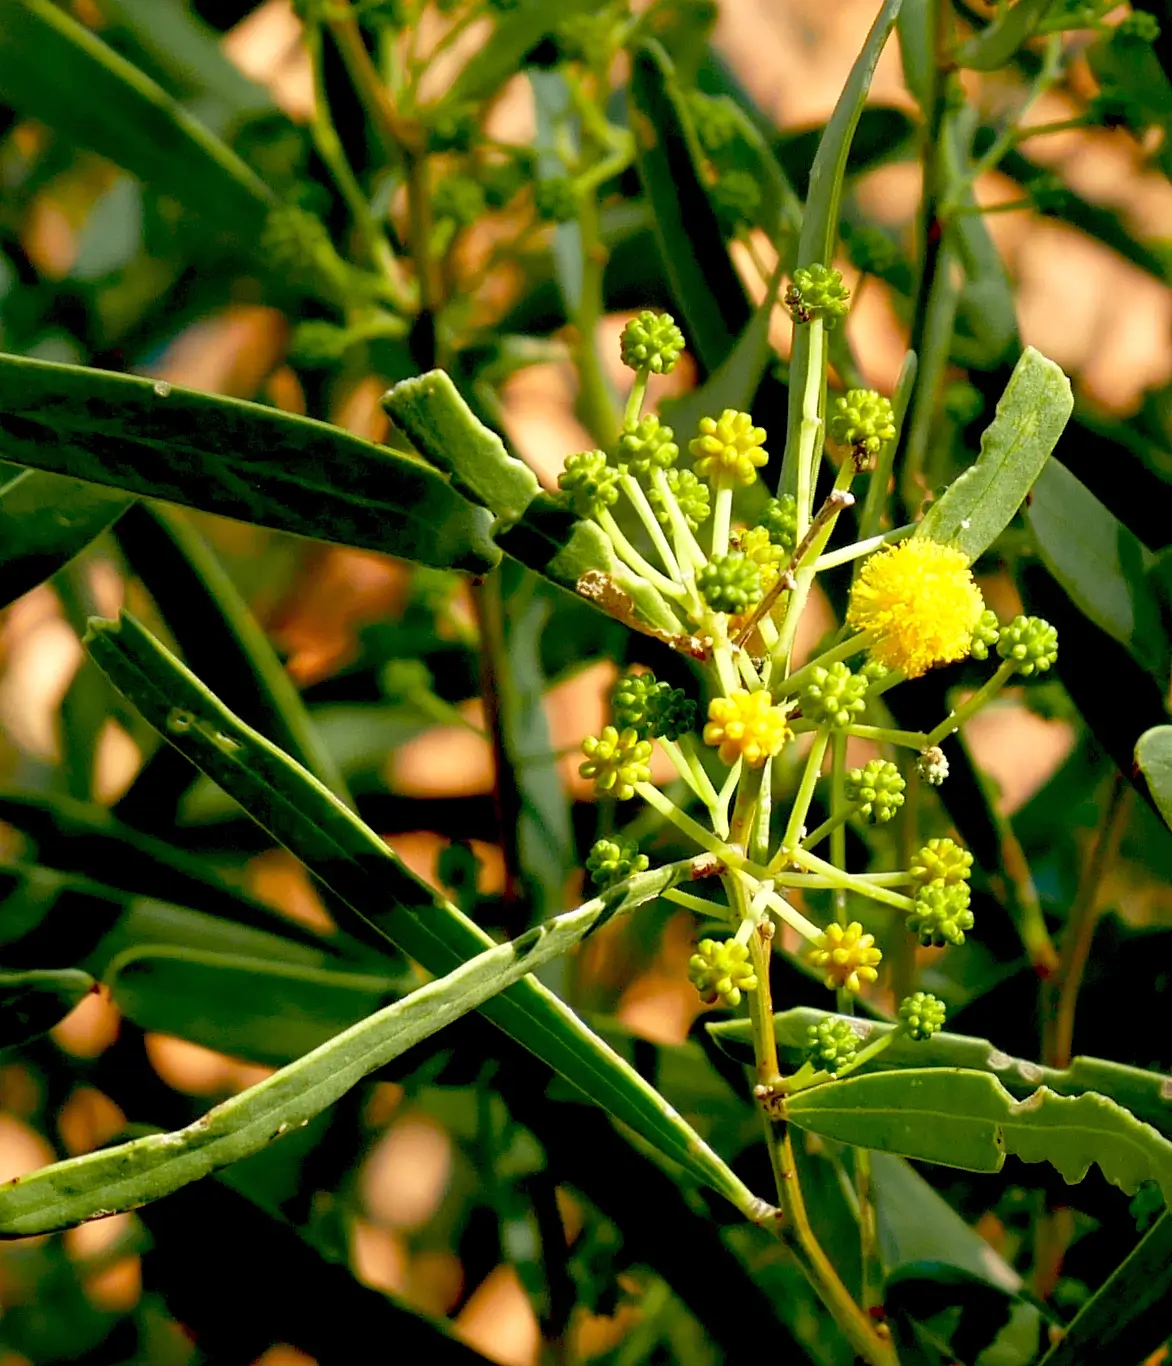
[(729, 448), (845, 956), (746, 725), (921, 599), (616, 760)]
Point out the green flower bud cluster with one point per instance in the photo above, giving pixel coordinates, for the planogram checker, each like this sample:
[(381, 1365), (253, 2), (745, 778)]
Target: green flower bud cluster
[(736, 197), (864, 420), (1137, 27), (651, 341), (932, 766), (502, 180), (1031, 643), (876, 789), (779, 517), (729, 448), (941, 914), (720, 971), (870, 249), (611, 861), (1049, 192), (922, 1015), (616, 760), (591, 483), (460, 198), (817, 291), (452, 128), (834, 696), (942, 860), (1115, 107), (646, 443), (714, 120), (986, 634), (874, 671), (653, 710), (691, 494), (316, 344), (730, 583), (297, 246), (556, 199), (831, 1044)]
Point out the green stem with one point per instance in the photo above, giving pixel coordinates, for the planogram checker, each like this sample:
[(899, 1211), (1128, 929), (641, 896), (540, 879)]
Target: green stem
[(871, 1290), (721, 518), (853, 645), (708, 794), (682, 767), (635, 398), (688, 550), (805, 794), (636, 561), (759, 839), (638, 500), (984, 694), (721, 822), (860, 548), (811, 427), (695, 903), (596, 403), (804, 859), (912, 739), (817, 882), (745, 811), (838, 803), (875, 502)]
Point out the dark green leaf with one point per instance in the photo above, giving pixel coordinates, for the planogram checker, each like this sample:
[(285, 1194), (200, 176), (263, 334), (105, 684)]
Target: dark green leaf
[(238, 459), (31, 1003), (1153, 758)]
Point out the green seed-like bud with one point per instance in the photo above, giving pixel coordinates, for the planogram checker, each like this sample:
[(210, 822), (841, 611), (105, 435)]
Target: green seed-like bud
[(556, 199), (714, 120), (817, 290), (864, 420), (652, 709), (986, 634), (651, 341), (720, 971), (922, 1014), (1031, 643), (831, 1044), (941, 914), (459, 198), (932, 765), (942, 860), (876, 789), (611, 861), (591, 483), (646, 443), (870, 249), (616, 761), (779, 517), (736, 197), (834, 696), (730, 583), (691, 495)]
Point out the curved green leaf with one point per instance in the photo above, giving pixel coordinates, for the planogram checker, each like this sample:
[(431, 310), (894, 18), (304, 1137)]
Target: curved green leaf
[(969, 1120), (145, 1169), (32, 1002), (45, 521), (980, 503), (54, 69), (995, 45), (354, 863), (238, 459), (1153, 758)]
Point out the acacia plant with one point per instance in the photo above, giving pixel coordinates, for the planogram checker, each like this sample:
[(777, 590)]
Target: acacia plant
[(895, 971)]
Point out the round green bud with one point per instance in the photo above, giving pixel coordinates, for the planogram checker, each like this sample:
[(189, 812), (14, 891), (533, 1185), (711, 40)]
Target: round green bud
[(646, 443), (459, 198), (922, 1014), (963, 402), (876, 789), (1137, 27), (1031, 643), (932, 766), (720, 971), (730, 583), (317, 344), (874, 672), (941, 914), (870, 250), (651, 341), (942, 860), (654, 710), (779, 517), (831, 1044), (591, 483), (616, 760), (556, 199), (862, 419), (817, 291), (834, 696), (714, 120), (986, 634), (691, 494), (736, 197), (611, 861), (402, 679), (1049, 192)]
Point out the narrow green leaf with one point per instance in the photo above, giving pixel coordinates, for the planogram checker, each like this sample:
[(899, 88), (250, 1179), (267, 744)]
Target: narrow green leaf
[(45, 521), (145, 1169), (446, 432), (970, 1121), (215, 629), (54, 69), (238, 459), (252, 1008), (980, 503), (1153, 758), (703, 281), (915, 27), (986, 313), (31, 1003), (351, 860), (1101, 565), (995, 45), (1130, 1315)]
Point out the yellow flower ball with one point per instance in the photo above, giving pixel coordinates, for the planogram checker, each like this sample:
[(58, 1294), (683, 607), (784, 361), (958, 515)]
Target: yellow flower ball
[(746, 725), (729, 448), (846, 957), (921, 599)]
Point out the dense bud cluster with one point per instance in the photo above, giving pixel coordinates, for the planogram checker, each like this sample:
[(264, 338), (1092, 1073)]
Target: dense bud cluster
[(779, 517), (729, 447), (730, 583), (654, 710), (862, 419), (876, 789), (922, 1015), (651, 341), (941, 914), (591, 483), (611, 861), (834, 696), (831, 1044), (646, 443), (1031, 643), (817, 291), (616, 760), (721, 971)]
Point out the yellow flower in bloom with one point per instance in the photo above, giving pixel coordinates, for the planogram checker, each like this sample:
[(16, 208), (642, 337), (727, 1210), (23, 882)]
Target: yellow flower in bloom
[(746, 725), (921, 598), (846, 956), (729, 447)]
